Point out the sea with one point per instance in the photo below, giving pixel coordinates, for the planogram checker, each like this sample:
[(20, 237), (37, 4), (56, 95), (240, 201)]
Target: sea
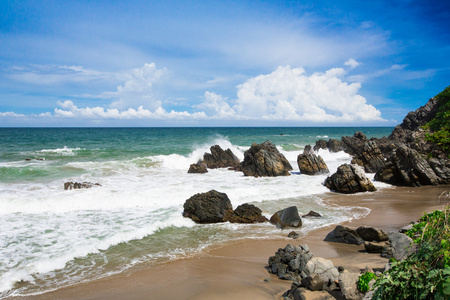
[(51, 237)]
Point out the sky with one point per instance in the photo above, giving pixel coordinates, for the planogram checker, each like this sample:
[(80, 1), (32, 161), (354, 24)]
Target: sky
[(220, 63)]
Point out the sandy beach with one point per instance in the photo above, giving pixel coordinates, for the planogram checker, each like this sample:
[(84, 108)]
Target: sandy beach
[(237, 270)]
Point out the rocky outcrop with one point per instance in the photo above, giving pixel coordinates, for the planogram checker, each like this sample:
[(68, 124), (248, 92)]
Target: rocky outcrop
[(342, 234), (265, 160), (370, 157), (371, 234), (290, 262), (407, 167), (247, 213), (320, 144), (210, 207), (288, 217), (311, 164), (79, 185), (336, 146), (198, 168), (220, 158), (349, 179)]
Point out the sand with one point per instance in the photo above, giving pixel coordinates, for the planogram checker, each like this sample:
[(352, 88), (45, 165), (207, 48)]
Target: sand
[(237, 270)]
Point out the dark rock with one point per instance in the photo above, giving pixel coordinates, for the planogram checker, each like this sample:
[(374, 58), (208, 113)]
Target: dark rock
[(407, 167), (371, 234), (375, 247), (210, 207), (288, 217), (265, 160), (293, 235), (354, 143), (311, 164), (198, 168), (290, 262), (349, 179), (370, 157), (79, 185), (247, 213), (220, 158), (336, 146), (320, 144), (312, 214), (342, 234)]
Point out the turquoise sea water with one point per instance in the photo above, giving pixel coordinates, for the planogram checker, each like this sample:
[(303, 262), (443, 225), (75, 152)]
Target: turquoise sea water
[(51, 237)]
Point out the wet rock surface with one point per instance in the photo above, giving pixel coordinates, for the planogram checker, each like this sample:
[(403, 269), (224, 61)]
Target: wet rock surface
[(210, 207), (349, 179)]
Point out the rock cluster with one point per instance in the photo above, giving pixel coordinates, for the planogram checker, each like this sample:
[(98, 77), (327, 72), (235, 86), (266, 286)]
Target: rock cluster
[(265, 160), (311, 164), (79, 185), (349, 179), (215, 207)]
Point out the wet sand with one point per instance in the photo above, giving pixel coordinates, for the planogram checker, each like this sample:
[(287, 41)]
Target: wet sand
[(237, 270)]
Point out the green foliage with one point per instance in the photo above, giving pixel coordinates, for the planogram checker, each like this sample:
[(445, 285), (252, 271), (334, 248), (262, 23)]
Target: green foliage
[(426, 273), (364, 279), (440, 124)]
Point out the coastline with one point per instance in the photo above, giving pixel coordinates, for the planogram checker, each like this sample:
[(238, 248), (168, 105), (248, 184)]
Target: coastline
[(236, 270)]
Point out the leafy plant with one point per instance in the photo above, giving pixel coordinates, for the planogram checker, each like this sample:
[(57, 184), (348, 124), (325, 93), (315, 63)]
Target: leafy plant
[(440, 124), (426, 273), (363, 281)]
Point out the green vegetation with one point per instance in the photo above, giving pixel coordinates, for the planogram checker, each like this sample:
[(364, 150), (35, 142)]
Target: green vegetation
[(426, 273), (440, 125), (364, 279)]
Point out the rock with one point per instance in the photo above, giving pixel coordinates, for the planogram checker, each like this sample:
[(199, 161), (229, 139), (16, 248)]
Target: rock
[(407, 167), (289, 263), (198, 168), (348, 282), (320, 144), (79, 185), (312, 214), (210, 207), (371, 234), (406, 228), (354, 143), (370, 157), (220, 158), (320, 275), (265, 160), (308, 150), (247, 213), (349, 179), (293, 235), (336, 146), (342, 234), (402, 245), (311, 164), (375, 247), (288, 217)]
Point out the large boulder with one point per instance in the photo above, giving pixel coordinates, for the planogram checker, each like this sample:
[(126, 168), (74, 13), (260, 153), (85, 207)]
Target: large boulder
[(402, 245), (311, 164), (265, 160), (407, 167), (288, 217), (349, 179), (210, 207), (371, 234), (79, 185), (220, 158), (342, 234), (348, 282), (247, 213), (320, 275)]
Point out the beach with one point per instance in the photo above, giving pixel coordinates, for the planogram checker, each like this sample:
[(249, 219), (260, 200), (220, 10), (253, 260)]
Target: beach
[(236, 270)]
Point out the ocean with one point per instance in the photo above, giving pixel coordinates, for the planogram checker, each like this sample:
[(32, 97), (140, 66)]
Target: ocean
[(51, 237)]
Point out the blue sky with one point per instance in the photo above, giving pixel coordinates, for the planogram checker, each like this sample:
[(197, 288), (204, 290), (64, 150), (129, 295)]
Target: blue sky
[(220, 63)]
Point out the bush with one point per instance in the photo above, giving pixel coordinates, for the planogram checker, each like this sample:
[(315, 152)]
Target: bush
[(440, 124), (426, 273)]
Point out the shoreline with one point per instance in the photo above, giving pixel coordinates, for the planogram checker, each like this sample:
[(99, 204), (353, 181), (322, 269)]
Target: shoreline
[(236, 270)]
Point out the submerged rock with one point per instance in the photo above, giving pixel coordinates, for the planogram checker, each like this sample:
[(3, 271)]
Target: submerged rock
[(312, 214), (247, 213), (265, 160), (349, 179), (79, 185), (210, 207)]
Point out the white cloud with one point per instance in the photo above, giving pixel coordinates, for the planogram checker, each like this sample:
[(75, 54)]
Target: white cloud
[(352, 63), (216, 106), (10, 114), (288, 94)]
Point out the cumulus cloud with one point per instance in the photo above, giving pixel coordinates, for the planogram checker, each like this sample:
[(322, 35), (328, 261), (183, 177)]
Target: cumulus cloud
[(288, 94), (216, 106), (10, 114)]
